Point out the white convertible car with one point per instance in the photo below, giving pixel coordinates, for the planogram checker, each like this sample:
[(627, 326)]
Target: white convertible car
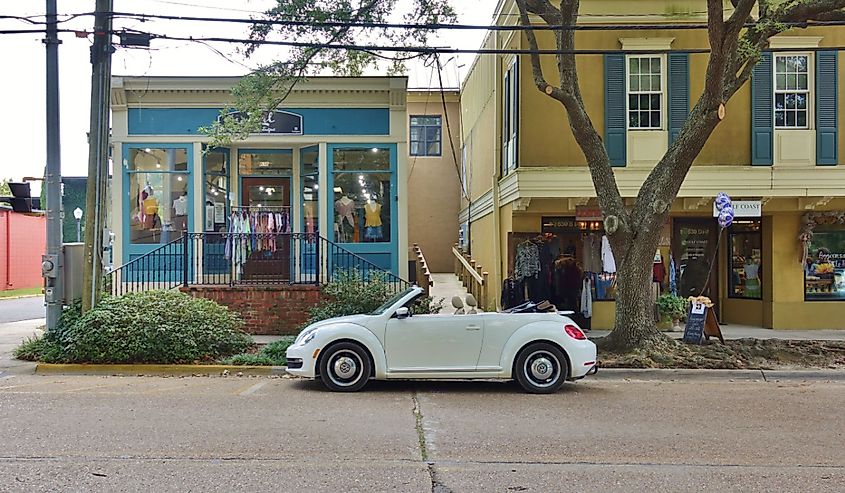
[(539, 350)]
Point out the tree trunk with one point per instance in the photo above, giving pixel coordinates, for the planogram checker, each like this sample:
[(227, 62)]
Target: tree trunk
[(635, 325)]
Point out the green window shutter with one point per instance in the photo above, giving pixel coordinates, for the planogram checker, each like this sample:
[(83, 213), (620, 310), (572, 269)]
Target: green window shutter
[(678, 71), (827, 133), (762, 112), (614, 109)]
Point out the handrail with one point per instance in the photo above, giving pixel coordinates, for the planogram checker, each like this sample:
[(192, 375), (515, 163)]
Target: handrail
[(424, 277), (245, 258), (473, 277)]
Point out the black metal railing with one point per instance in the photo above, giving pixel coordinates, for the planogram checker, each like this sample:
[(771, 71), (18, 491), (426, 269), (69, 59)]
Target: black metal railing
[(246, 258)]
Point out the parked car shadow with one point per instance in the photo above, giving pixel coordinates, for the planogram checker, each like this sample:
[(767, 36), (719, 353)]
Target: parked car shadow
[(440, 386)]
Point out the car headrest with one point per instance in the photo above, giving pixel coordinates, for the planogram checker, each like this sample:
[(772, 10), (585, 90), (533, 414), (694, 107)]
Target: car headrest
[(471, 301), (457, 302)]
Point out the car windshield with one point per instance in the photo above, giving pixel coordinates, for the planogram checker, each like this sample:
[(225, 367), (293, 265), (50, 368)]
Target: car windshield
[(392, 301)]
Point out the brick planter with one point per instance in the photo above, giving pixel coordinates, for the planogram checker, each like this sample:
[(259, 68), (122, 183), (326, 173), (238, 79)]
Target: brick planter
[(266, 310)]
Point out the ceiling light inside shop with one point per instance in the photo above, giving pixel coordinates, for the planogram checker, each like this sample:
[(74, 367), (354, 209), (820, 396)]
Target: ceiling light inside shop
[(338, 190), (374, 149), (179, 178), (148, 150), (316, 187), (261, 188), (158, 165)]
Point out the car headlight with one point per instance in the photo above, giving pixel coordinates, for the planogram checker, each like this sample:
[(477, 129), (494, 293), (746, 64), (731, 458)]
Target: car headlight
[(310, 337), (305, 333)]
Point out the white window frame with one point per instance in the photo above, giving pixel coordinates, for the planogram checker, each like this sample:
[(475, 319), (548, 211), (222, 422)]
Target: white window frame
[(510, 120), (811, 63), (663, 92)]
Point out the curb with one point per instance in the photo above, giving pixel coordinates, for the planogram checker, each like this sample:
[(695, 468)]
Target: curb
[(685, 375), (157, 370)]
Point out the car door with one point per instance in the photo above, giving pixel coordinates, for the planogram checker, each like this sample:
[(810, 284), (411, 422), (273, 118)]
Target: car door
[(433, 343)]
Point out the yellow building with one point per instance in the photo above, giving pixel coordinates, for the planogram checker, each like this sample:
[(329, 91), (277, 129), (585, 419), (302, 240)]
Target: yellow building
[(775, 153)]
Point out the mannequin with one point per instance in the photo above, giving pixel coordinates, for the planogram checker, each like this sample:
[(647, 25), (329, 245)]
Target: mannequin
[(180, 212), (345, 208), (150, 209), (373, 224)]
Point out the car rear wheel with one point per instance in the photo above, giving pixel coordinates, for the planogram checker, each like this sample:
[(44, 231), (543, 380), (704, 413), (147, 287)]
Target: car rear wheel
[(345, 367), (541, 368)]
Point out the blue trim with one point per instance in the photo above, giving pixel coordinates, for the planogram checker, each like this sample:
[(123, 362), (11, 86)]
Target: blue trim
[(827, 108), (615, 128), (678, 72), (308, 255), (131, 250), (316, 121), (374, 252), (762, 112), (214, 255)]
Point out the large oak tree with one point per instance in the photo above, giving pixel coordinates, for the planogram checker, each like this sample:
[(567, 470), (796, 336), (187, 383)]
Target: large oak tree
[(736, 39)]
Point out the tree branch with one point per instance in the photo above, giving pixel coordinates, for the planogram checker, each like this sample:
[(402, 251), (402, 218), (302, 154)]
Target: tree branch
[(536, 68)]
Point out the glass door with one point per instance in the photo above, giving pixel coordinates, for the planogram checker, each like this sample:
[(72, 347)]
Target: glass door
[(270, 256), (694, 246)]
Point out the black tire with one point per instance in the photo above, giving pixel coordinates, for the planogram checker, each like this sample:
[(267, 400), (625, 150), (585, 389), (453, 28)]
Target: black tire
[(541, 368), (345, 367)]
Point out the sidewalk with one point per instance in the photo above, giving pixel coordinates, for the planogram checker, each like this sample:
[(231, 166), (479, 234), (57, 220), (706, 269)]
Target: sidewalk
[(11, 335), (732, 331)]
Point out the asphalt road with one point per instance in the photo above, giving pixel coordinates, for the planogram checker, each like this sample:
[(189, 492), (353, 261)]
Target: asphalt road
[(16, 309), (257, 434)]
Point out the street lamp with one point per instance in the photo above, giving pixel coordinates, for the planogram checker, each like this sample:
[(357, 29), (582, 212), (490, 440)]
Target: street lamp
[(77, 213)]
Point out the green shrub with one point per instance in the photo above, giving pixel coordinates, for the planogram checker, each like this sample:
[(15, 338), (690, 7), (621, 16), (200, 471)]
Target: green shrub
[(349, 294), (39, 349), (671, 306), (272, 354), (148, 327)]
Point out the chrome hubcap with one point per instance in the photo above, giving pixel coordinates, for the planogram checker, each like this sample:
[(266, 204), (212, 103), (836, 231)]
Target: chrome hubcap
[(541, 368), (345, 367)]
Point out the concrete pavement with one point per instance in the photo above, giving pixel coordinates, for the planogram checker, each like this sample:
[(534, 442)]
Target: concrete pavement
[(24, 308), (248, 434), (11, 336)]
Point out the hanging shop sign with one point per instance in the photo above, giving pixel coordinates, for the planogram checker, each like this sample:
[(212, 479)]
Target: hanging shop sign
[(743, 208), (276, 122), (587, 213)]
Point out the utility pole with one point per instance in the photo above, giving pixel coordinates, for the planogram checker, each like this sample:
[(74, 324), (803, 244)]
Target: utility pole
[(98, 148), (51, 263)]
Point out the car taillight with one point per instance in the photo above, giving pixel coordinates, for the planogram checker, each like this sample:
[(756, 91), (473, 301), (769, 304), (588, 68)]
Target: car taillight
[(574, 332)]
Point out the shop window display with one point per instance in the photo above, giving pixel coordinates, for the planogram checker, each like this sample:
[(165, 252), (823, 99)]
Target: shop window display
[(158, 193), (824, 268), (746, 264), (265, 163), (362, 191), (216, 191), (310, 190)]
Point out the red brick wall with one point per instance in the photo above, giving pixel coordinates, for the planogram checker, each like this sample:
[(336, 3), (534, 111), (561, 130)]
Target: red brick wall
[(23, 239), (266, 310)]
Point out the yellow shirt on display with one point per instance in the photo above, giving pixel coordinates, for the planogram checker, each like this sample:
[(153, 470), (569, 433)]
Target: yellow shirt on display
[(372, 214)]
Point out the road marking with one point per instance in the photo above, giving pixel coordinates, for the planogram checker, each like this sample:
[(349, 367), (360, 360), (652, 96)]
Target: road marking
[(253, 388)]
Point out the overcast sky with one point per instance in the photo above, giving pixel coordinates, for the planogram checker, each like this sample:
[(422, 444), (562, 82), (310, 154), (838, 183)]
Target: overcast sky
[(22, 85)]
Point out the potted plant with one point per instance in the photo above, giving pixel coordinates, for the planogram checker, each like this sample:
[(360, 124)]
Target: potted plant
[(672, 308)]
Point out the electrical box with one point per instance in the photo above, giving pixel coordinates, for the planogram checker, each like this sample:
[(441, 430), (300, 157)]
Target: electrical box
[(74, 255)]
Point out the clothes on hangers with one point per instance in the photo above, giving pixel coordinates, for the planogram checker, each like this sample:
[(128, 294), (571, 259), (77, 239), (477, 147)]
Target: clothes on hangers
[(607, 260), (513, 293), (527, 263), (587, 298)]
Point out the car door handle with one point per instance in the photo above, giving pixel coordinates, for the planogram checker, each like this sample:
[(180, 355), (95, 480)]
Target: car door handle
[(473, 327)]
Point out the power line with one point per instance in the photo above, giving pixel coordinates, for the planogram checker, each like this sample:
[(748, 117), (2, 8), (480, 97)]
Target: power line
[(456, 26), (430, 50)]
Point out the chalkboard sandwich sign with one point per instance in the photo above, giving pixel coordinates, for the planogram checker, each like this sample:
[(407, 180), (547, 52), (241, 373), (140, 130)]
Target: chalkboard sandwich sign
[(701, 321)]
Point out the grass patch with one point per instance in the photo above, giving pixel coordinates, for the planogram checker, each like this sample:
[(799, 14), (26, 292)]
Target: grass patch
[(14, 293), (272, 354)]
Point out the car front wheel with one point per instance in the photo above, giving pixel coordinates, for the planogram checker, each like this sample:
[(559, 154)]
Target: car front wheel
[(541, 368), (345, 367)]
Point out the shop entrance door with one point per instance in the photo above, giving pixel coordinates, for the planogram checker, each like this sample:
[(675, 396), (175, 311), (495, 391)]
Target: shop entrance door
[(270, 260), (694, 244)]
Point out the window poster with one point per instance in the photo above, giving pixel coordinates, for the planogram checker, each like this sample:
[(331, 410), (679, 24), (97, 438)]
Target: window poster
[(824, 272)]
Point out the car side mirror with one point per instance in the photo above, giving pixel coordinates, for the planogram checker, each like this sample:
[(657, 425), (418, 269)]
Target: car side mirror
[(403, 313)]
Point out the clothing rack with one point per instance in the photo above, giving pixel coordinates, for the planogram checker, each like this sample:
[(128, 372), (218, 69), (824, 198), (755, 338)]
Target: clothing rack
[(255, 208)]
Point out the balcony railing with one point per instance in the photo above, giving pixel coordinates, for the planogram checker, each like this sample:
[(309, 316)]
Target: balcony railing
[(245, 259)]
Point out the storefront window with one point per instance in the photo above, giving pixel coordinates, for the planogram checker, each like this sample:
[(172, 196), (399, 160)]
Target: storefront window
[(579, 251), (158, 194), (310, 190), (824, 272), (361, 159), (362, 207), (277, 162), (216, 190), (746, 261)]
